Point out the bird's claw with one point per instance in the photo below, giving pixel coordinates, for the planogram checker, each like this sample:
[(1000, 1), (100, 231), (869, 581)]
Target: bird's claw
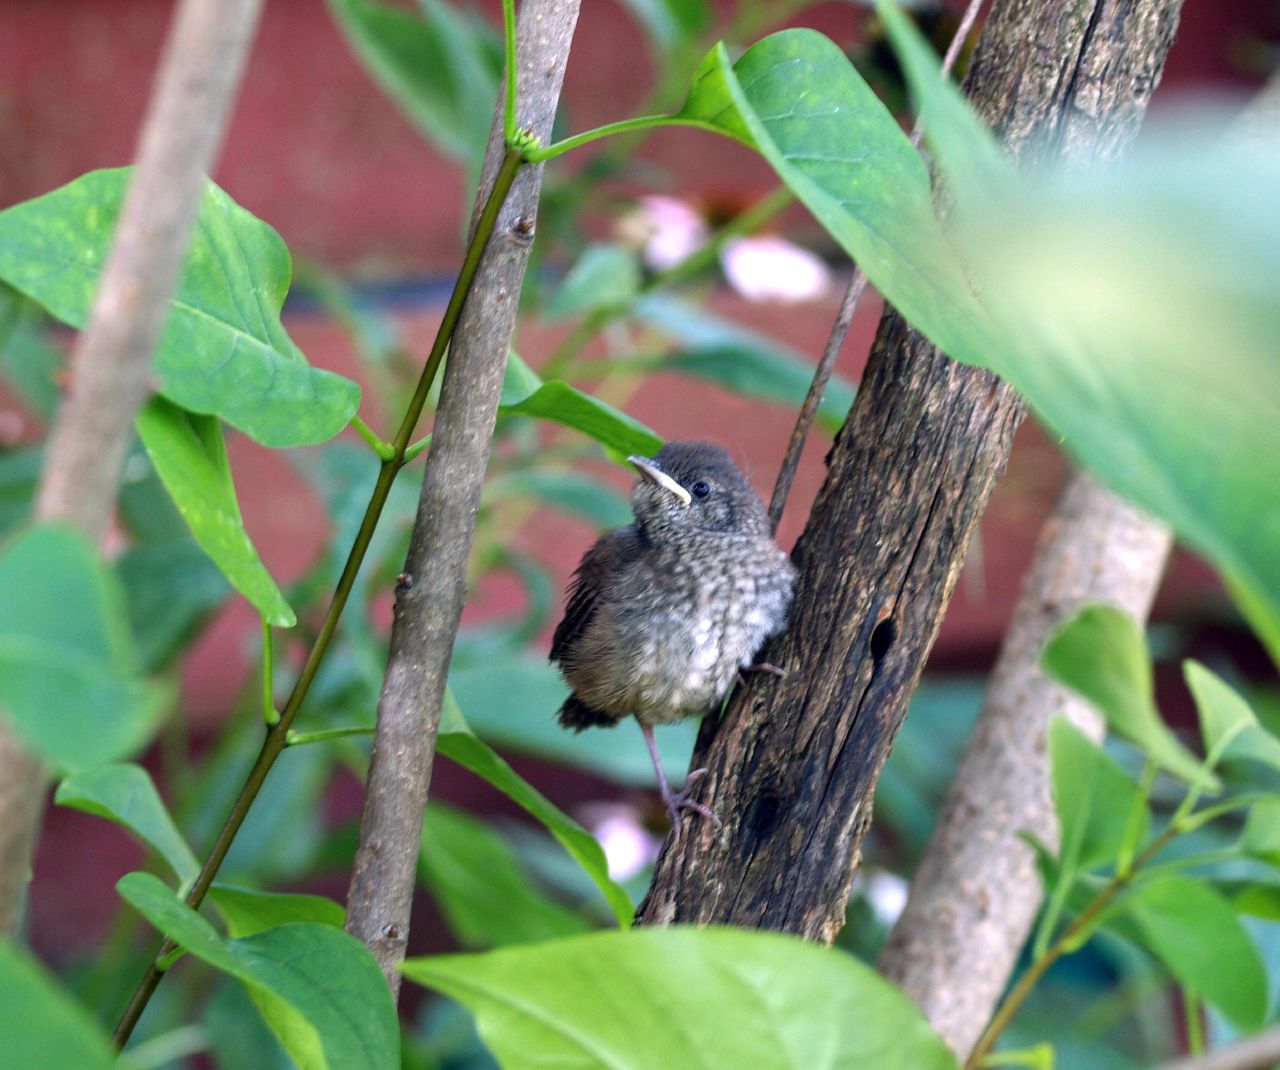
[(683, 800)]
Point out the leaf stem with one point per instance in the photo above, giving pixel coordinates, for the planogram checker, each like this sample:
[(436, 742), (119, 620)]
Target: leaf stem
[(277, 735), (297, 739), (510, 124), (622, 126), (382, 448), (417, 448), (270, 715)]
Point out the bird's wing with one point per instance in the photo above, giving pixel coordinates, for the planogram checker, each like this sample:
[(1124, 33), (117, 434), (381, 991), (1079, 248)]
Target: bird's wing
[(598, 566)]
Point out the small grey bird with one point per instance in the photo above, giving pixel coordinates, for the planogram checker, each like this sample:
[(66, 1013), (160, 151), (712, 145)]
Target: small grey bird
[(661, 616)]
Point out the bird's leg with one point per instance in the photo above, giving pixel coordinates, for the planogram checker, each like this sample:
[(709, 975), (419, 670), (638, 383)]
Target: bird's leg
[(759, 666), (676, 801)]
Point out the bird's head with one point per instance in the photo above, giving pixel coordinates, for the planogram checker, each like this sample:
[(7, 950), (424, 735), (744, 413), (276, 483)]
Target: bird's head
[(695, 487)]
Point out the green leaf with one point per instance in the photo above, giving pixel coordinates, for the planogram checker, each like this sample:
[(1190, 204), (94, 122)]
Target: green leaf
[(487, 898), (1100, 654), (68, 672), (670, 24), (655, 999), (126, 795), (320, 990), (561, 403), (575, 493), (1228, 725), (171, 587), (248, 911), (1197, 935), (1093, 797), (457, 742), (19, 477), (28, 360), (441, 68), (1261, 836), (41, 1026), (602, 276), (190, 456), (223, 350), (748, 363)]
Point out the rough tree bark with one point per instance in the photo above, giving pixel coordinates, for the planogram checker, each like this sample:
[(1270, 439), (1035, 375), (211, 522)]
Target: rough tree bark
[(976, 891), (793, 762), (430, 596), (200, 69)]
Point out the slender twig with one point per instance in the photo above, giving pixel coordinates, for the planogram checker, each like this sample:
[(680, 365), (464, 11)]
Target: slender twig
[(277, 736), (1259, 1052), (1066, 941), (844, 318), (110, 367)]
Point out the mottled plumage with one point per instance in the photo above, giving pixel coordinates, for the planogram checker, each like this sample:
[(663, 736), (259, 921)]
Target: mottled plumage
[(662, 615)]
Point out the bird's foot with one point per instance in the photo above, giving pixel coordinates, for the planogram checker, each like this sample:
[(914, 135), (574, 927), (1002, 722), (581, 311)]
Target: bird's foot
[(683, 800), (759, 666)]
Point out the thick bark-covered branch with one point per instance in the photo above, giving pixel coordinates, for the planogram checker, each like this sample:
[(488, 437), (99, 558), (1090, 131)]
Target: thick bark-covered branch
[(430, 597), (201, 67), (793, 762), (976, 891)]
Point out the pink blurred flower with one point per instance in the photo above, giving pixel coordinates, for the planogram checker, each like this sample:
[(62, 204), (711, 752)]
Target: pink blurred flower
[(769, 268)]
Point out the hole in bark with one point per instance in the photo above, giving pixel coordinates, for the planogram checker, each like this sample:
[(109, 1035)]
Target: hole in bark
[(762, 817), (883, 636)]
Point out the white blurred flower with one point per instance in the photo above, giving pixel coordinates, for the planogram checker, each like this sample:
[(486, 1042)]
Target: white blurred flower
[(628, 846), (769, 268), (672, 230), (887, 894)]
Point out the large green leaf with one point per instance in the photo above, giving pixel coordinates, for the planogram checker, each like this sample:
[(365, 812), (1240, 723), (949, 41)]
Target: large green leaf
[(320, 990), (1227, 724), (656, 999), (190, 455), (457, 742), (28, 359), (1196, 933), (481, 888), (126, 795), (41, 1026), (1094, 799), (248, 911), (1100, 654), (69, 675), (525, 394), (440, 67), (223, 349)]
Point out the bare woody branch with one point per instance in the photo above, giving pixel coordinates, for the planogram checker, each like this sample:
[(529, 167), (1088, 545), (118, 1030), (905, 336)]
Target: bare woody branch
[(1261, 1052), (199, 71), (429, 600), (793, 762)]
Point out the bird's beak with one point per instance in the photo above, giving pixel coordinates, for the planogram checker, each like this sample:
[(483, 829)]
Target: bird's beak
[(651, 473)]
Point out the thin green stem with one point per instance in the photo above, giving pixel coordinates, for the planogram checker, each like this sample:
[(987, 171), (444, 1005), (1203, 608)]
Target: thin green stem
[(1133, 824), (277, 735), (297, 739), (1194, 1021), (417, 448), (270, 715), (623, 126), (1065, 941), (510, 124), (381, 447)]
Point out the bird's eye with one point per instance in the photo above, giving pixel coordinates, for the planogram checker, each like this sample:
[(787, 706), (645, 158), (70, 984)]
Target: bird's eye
[(700, 489)]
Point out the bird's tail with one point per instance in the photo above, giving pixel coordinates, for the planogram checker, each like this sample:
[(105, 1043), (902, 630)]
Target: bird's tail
[(577, 715)]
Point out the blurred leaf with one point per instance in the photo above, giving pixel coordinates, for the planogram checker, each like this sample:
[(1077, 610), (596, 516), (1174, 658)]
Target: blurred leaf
[(671, 24), (1197, 935), (19, 477), (1261, 836), (320, 990), (516, 708), (748, 363), (1093, 797), (457, 742), (247, 911), (223, 350), (41, 1026), (69, 675), (190, 456), (126, 795), (481, 889), (238, 1037), (654, 999), (441, 68), (602, 276), (1100, 654), (170, 588), (28, 360), (1227, 724), (518, 380), (573, 492)]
